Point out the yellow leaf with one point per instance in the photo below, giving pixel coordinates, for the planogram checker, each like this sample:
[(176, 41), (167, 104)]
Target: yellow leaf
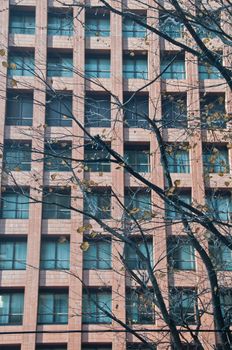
[(2, 52), (134, 211), (177, 183), (5, 64), (100, 174), (17, 169), (84, 246), (14, 83), (93, 234), (13, 66)]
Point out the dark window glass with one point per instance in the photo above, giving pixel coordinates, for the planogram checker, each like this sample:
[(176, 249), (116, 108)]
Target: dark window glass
[(181, 254), (21, 64), (60, 65), (57, 156), (97, 25), (59, 110), (53, 308), (213, 114), (15, 205), (183, 305), (174, 111), (11, 308), (138, 204), (219, 205), (140, 307), (22, 22), (133, 260), (176, 70), (56, 204), (19, 109), (60, 24), (97, 111), (215, 159), (135, 111), (17, 155), (96, 159), (138, 157), (55, 254), (178, 158), (97, 67), (98, 203), (13, 254), (135, 68), (94, 302), (98, 255)]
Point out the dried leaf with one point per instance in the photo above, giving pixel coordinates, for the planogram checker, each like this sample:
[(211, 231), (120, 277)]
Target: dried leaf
[(2, 52), (5, 64), (84, 246)]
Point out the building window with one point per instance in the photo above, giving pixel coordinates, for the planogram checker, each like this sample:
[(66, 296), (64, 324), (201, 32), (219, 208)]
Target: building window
[(131, 29), (94, 302), (97, 67), (176, 70), (213, 114), (97, 25), (13, 254), (15, 205), (96, 159), (98, 255), (55, 254), (215, 159), (138, 157), (226, 304), (51, 347), (59, 110), (22, 22), (60, 24), (183, 304), (133, 260), (174, 111), (19, 109), (138, 346), (178, 158), (56, 203), (208, 24), (11, 308), (60, 65), (136, 111), (97, 347), (53, 308), (206, 71), (138, 204), (58, 156), (170, 26), (97, 111), (219, 205), (98, 203), (221, 255), (21, 64), (135, 68), (140, 307), (181, 254), (17, 155), (173, 211)]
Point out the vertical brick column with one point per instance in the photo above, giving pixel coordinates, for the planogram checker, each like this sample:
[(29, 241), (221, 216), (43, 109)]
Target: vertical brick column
[(4, 20), (75, 286), (157, 177), (35, 214), (118, 283)]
